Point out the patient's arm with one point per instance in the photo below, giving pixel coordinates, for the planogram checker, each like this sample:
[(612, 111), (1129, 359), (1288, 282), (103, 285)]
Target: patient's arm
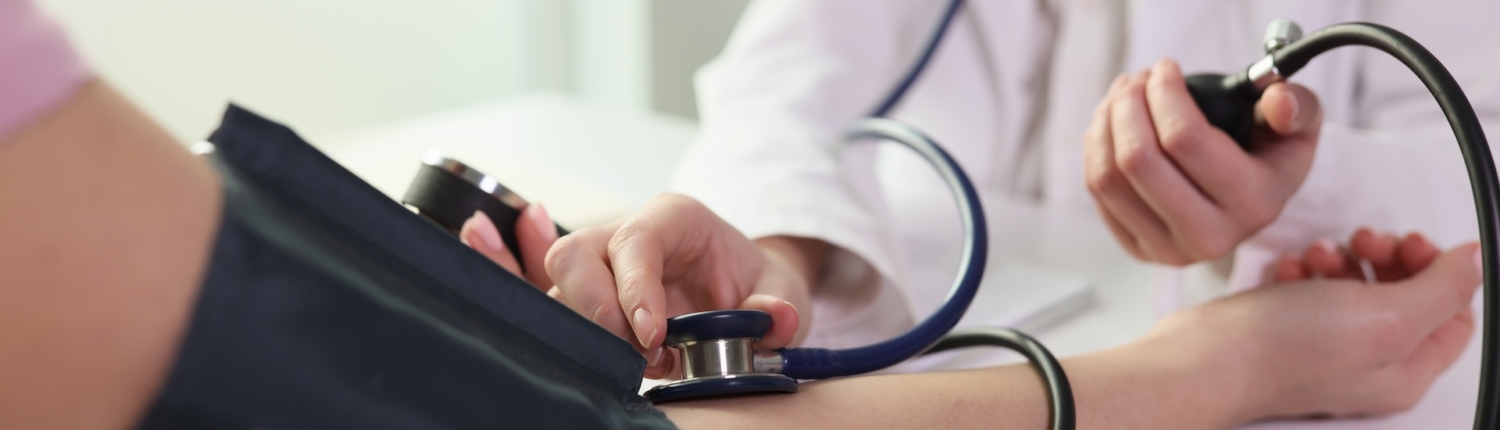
[(1130, 387), (1329, 347), (105, 228)]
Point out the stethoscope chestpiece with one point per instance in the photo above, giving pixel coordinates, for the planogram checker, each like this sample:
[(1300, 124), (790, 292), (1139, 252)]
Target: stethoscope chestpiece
[(717, 356)]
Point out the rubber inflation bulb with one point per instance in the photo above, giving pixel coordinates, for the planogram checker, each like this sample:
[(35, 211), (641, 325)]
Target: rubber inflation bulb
[(1228, 102)]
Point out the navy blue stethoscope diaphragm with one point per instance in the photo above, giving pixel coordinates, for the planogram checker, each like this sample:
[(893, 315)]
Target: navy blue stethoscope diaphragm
[(716, 350), (722, 386)]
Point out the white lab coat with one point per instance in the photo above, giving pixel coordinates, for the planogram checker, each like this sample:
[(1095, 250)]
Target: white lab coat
[(1010, 93)]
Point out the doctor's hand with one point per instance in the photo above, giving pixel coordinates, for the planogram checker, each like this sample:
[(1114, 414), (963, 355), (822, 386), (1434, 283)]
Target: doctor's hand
[(1176, 190), (535, 234), (676, 257)]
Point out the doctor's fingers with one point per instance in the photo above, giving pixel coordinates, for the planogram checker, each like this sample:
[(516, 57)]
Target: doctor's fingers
[(1289, 109), (1199, 229), (1134, 225), (679, 239), (535, 234), (479, 233), (1232, 179), (1286, 153), (1098, 166), (578, 265)]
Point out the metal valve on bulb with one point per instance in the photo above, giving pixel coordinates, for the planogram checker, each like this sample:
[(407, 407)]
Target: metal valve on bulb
[(1228, 101)]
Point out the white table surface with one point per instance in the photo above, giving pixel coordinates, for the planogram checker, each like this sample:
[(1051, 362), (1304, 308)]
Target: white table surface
[(591, 164)]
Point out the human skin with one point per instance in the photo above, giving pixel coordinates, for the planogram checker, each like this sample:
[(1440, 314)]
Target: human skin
[(1325, 348), (105, 229), (673, 257), (1389, 257), (92, 309), (1171, 188), (1175, 190)]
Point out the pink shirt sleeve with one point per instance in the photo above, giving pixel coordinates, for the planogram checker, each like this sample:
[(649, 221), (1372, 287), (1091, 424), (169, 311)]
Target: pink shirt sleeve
[(38, 67)]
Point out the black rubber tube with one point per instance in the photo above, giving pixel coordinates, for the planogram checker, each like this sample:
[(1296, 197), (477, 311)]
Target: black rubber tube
[(1059, 393), (1476, 151)]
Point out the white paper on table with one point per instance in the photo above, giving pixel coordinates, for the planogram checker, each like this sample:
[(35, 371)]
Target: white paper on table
[(1017, 296)]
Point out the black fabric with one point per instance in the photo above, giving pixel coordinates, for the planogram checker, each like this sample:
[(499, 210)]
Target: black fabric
[(327, 305)]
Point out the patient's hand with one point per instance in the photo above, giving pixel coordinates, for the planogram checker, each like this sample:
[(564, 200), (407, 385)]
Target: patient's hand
[(1339, 346), (1318, 347), (1390, 258), (534, 232)]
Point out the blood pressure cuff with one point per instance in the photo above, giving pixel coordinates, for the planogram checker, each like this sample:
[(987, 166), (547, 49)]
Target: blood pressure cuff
[(327, 305)]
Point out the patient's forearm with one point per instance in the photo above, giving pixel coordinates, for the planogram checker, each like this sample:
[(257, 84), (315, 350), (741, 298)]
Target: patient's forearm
[(105, 227), (1136, 386)]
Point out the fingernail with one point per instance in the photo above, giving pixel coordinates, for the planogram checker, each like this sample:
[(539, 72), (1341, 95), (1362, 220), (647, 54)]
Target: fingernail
[(543, 222), (1295, 106), (489, 238), (1166, 63), (653, 357), (1327, 245), (1417, 237), (643, 319)]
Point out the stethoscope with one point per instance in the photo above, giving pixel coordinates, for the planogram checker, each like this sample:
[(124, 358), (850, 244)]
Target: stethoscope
[(716, 348)]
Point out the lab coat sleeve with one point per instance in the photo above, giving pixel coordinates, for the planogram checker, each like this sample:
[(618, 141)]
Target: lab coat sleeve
[(1395, 166), (770, 158)]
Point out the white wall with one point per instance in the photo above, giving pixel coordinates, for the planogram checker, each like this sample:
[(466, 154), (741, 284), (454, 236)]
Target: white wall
[(321, 65), (685, 34), (332, 65), (611, 61)]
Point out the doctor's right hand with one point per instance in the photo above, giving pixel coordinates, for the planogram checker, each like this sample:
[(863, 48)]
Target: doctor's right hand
[(1176, 190), (675, 257)]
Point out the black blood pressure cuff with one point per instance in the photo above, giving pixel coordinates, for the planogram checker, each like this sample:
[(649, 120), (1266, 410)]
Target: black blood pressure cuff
[(327, 305)]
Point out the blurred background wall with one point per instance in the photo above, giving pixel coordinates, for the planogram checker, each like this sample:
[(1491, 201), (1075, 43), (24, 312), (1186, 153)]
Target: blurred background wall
[(332, 65)]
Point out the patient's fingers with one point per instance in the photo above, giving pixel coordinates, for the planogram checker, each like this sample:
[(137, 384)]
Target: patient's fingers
[(479, 233), (1440, 349), (1325, 258), (1289, 268), (1416, 252), (1434, 296), (1379, 249)]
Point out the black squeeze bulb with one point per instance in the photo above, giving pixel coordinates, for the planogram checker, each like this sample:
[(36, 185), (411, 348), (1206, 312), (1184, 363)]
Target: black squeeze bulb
[(1228, 102)]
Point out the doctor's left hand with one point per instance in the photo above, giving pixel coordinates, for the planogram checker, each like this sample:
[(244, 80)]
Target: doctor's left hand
[(1176, 190), (673, 257), (534, 233)]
